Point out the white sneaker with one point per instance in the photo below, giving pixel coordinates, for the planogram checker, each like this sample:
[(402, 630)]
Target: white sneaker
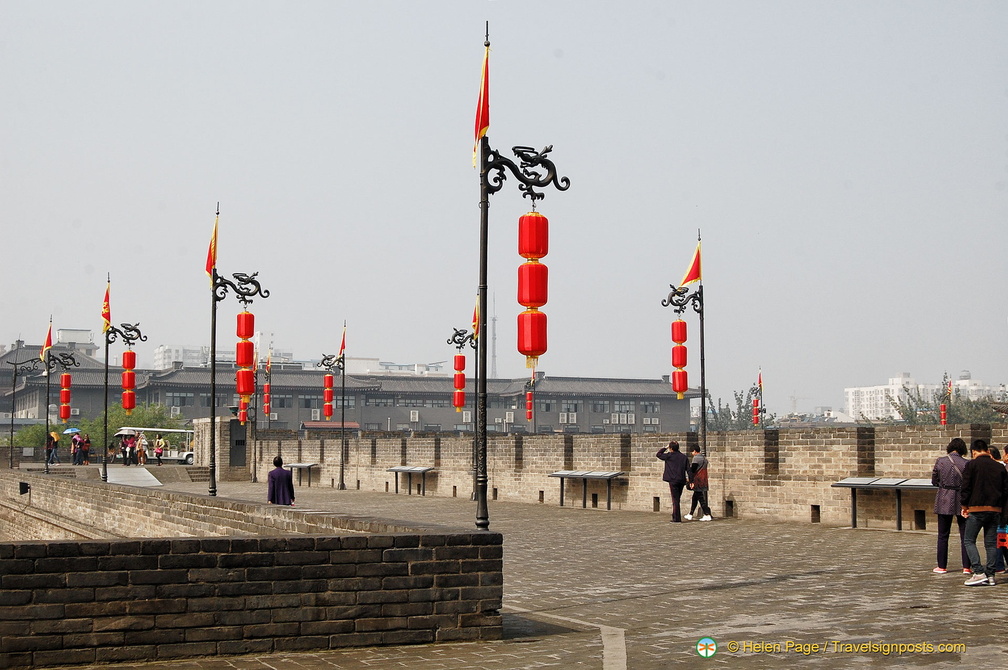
[(688, 517), (977, 579), (705, 517)]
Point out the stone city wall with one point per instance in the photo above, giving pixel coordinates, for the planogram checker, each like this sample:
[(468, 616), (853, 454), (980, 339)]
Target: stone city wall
[(223, 577), (777, 474)]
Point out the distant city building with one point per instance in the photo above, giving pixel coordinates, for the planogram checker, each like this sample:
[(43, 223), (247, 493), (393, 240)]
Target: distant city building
[(876, 403), (380, 396)]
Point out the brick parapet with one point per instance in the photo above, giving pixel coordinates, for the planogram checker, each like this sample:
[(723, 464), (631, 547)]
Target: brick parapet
[(781, 474), (203, 589)]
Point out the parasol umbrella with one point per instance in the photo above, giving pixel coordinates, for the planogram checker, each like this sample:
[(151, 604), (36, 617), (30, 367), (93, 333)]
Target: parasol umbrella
[(71, 430), (125, 431)]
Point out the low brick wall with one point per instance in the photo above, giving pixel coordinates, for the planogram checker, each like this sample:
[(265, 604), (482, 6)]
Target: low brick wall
[(94, 601), (781, 475)]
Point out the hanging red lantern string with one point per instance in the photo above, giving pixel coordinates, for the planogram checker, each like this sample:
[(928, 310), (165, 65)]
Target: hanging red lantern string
[(755, 411), (327, 395), (245, 360), (528, 399), (129, 381), (944, 414), (458, 397), (266, 399), (680, 382), (533, 281), (64, 410)]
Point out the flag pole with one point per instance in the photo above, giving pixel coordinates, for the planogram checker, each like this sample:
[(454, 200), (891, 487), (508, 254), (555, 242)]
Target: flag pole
[(703, 363)]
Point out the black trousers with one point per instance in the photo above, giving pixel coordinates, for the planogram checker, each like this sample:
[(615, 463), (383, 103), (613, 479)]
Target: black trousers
[(676, 488)]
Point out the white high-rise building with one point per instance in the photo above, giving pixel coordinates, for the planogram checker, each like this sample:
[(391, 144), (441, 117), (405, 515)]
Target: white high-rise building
[(875, 403)]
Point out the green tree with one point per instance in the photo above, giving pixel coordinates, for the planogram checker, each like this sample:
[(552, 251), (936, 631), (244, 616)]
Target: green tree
[(724, 418), (923, 409), (149, 415)]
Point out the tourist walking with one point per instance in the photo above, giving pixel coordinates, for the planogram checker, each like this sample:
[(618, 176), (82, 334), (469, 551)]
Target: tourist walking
[(698, 483), (676, 474), (76, 455), (984, 489), (141, 457), (280, 486), (947, 475), (52, 449), (86, 450), (159, 447)]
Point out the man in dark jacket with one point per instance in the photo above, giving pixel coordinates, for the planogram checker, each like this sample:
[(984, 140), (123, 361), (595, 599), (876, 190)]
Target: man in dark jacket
[(280, 486), (983, 493), (676, 474)]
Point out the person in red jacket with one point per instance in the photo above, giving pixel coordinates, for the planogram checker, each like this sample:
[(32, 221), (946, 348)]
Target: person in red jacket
[(983, 494)]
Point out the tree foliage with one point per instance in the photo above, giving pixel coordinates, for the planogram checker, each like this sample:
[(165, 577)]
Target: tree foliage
[(924, 409), (150, 415), (723, 417)]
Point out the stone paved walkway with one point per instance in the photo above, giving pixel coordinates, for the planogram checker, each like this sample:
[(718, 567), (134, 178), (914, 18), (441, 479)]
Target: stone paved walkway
[(610, 590)]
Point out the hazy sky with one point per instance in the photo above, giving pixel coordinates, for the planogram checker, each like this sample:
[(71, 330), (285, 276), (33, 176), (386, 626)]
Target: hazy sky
[(846, 162)]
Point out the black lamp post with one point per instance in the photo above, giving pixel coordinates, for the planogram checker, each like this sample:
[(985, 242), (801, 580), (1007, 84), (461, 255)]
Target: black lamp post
[(22, 368), (245, 288), (333, 363), (459, 339), (64, 360), (680, 298), (534, 171), (129, 333)]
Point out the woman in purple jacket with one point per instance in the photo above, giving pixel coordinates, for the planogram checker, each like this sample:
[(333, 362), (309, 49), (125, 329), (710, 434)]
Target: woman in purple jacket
[(947, 476)]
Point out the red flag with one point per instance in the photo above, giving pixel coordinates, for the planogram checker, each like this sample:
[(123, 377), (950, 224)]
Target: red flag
[(476, 319), (48, 343), (342, 344), (483, 104), (759, 381), (211, 258), (693, 273), (269, 361), (106, 314)]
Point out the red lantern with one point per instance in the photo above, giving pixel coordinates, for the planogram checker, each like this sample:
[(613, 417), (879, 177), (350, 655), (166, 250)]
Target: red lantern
[(458, 397), (328, 381), (245, 357), (128, 381), (533, 235), (680, 383), (532, 335), (65, 396), (242, 411), (246, 325), (245, 383), (679, 356), (679, 331), (245, 354), (64, 412), (533, 279)]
